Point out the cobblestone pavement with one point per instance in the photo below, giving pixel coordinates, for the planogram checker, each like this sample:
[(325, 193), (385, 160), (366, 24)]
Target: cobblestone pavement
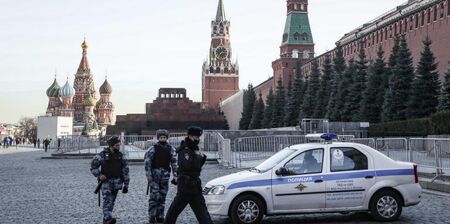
[(33, 190)]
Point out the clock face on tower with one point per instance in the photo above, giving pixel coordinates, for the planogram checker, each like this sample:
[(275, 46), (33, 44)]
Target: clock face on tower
[(221, 53)]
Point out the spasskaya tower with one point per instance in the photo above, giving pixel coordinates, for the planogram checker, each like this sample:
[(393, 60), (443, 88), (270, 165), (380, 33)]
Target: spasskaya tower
[(220, 76)]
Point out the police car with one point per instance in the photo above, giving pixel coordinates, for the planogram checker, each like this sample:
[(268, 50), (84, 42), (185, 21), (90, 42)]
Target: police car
[(317, 178)]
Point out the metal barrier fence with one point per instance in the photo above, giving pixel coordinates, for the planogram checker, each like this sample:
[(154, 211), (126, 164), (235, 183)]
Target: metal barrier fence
[(429, 153), (262, 147), (74, 143)]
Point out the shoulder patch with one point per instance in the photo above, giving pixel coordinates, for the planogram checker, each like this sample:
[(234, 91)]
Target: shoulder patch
[(186, 156)]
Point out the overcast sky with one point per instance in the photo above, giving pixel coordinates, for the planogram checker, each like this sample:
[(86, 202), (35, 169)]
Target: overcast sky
[(143, 45)]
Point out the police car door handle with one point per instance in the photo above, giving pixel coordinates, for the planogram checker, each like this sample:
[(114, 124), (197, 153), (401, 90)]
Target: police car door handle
[(318, 181), (369, 177)]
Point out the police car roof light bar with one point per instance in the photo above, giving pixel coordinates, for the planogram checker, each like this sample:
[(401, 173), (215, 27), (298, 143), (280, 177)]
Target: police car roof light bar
[(328, 136)]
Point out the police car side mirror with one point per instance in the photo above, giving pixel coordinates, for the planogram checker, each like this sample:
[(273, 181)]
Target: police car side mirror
[(281, 172)]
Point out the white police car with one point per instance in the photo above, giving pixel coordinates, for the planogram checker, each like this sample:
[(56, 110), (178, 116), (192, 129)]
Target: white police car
[(316, 178)]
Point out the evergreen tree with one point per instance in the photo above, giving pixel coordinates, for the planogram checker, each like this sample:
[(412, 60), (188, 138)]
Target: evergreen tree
[(279, 106), (323, 95), (359, 86), (289, 104), (444, 99), (392, 62), (425, 88), (333, 112), (258, 114), (268, 111), (373, 96), (247, 112), (295, 100), (309, 99), (95, 125), (345, 91), (388, 111), (398, 95)]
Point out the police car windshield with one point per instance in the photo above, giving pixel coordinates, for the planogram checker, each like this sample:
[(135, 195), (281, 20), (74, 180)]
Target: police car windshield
[(274, 160)]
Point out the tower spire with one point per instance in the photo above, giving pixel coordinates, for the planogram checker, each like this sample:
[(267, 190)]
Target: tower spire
[(84, 64), (220, 16)]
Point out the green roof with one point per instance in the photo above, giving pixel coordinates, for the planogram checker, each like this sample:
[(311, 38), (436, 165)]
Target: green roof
[(297, 29)]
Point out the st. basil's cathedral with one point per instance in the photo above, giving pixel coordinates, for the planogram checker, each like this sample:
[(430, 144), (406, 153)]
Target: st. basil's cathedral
[(90, 114)]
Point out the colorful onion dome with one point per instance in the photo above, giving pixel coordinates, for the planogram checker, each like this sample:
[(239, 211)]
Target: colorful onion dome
[(53, 90), (105, 88), (67, 90), (89, 102)]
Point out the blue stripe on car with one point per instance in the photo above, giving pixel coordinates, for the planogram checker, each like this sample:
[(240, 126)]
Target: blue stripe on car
[(326, 177)]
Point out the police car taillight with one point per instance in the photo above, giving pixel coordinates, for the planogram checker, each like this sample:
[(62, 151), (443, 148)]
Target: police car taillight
[(416, 176)]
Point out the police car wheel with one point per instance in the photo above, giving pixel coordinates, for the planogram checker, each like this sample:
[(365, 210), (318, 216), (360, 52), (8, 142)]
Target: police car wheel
[(386, 206), (247, 209)]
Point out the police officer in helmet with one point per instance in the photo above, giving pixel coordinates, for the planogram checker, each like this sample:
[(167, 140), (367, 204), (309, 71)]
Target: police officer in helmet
[(111, 169), (160, 159), (189, 185)]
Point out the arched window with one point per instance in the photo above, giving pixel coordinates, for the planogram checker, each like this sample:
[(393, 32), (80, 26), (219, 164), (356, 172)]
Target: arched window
[(435, 13), (295, 53), (302, 7), (306, 54), (285, 37), (423, 18), (417, 20), (305, 36), (296, 36)]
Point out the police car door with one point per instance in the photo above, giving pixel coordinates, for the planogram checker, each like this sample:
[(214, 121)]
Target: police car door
[(350, 176), (303, 185)]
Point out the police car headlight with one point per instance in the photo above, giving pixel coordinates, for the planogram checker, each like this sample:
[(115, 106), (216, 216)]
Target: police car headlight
[(216, 190)]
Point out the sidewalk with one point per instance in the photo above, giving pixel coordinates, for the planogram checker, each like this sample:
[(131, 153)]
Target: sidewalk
[(13, 149)]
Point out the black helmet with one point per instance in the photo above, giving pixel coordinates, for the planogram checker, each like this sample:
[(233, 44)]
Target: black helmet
[(113, 140), (195, 131), (162, 132)]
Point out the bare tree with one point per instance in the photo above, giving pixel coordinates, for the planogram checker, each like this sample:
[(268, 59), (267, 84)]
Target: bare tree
[(28, 127)]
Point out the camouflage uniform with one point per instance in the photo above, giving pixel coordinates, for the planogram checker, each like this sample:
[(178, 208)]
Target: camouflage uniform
[(157, 161), (112, 185)]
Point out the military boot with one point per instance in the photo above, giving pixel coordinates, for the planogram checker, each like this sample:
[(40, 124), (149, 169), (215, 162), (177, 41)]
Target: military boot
[(110, 221), (152, 220)]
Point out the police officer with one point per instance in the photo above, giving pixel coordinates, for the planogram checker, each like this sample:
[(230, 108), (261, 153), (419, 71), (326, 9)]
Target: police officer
[(160, 159), (113, 175), (189, 189)]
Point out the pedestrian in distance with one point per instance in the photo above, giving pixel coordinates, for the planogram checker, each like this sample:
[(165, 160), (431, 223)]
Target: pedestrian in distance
[(189, 185), (39, 143), (46, 143), (59, 143), (160, 160), (5, 142), (111, 169), (34, 142), (17, 142)]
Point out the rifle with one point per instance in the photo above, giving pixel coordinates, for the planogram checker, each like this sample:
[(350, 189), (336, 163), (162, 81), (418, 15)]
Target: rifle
[(148, 187), (97, 191)]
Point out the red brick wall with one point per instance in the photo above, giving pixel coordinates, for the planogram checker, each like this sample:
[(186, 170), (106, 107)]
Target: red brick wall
[(219, 88)]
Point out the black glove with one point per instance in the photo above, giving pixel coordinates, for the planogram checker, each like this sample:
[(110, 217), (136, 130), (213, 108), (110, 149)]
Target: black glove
[(125, 189), (174, 182)]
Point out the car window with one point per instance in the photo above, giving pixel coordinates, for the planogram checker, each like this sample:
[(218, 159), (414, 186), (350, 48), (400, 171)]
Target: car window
[(274, 160), (306, 163), (346, 159)]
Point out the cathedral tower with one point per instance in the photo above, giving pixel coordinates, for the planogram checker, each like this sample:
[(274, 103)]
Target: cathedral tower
[(220, 76), (53, 99), (297, 42), (66, 92), (105, 108), (84, 86)]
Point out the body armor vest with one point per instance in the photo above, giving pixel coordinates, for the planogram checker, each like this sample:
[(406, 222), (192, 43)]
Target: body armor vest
[(112, 166), (162, 157)]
